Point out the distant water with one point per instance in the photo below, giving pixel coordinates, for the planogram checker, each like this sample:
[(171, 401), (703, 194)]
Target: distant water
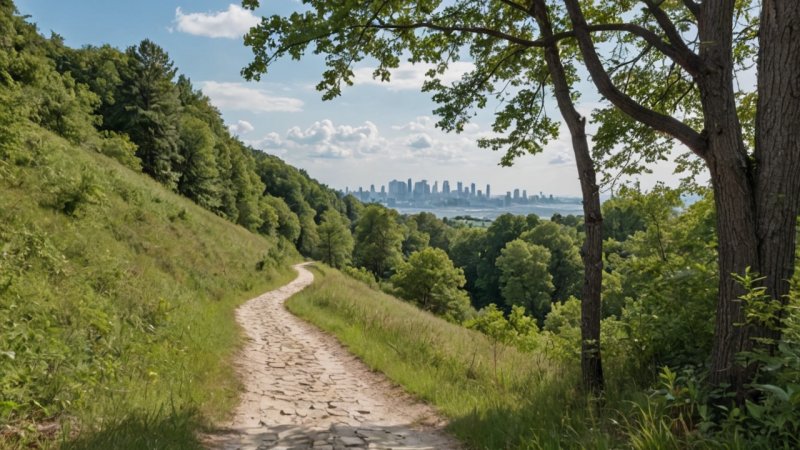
[(545, 210)]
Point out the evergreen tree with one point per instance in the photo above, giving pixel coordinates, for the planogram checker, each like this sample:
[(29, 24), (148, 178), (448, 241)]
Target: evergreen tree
[(378, 240), (147, 109)]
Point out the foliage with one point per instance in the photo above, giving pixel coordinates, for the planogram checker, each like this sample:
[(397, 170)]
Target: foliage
[(518, 330), (378, 240), (335, 241), (565, 264), (430, 280), (524, 278)]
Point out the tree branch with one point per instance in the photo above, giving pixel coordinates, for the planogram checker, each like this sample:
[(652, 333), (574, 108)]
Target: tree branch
[(673, 34), (660, 122)]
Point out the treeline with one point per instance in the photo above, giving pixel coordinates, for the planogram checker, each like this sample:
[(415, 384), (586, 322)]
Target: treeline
[(133, 105)]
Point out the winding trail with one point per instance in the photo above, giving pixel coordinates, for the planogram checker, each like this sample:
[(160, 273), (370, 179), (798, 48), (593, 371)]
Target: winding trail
[(303, 390)]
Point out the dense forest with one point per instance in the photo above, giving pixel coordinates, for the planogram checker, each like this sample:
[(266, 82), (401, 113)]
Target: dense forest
[(519, 280)]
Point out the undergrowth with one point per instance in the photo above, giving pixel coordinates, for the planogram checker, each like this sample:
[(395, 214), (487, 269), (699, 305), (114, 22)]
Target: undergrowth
[(116, 302)]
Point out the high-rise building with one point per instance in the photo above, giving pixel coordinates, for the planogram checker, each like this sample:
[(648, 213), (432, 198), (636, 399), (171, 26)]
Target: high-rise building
[(445, 187), (409, 186), (480, 193), (488, 191), (397, 189), (516, 194), (371, 188), (524, 194), (460, 187), (421, 189), (435, 187), (383, 189), (472, 189)]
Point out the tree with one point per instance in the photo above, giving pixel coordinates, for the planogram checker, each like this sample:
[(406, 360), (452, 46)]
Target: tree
[(378, 239), (503, 230), (439, 233), (335, 241), (198, 169), (524, 279), (565, 262), (752, 159), (288, 223), (430, 280), (147, 109), (466, 251)]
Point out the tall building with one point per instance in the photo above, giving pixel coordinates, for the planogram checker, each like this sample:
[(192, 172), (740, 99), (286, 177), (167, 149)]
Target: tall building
[(397, 189), (445, 187), (421, 189), (409, 186), (472, 189), (516, 194), (488, 191), (524, 194), (435, 187), (460, 187), (371, 188)]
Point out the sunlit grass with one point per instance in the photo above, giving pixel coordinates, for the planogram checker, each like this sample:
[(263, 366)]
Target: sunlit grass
[(532, 403), (116, 321)]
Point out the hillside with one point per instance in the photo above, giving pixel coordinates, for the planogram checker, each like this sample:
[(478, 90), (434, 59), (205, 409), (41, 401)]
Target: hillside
[(117, 295)]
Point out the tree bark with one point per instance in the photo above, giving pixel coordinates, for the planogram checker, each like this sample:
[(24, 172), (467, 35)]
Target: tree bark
[(777, 152), (591, 252), (732, 179)]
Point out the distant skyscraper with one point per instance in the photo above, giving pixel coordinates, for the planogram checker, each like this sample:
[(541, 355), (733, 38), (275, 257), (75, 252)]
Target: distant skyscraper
[(409, 186), (445, 187), (472, 189), (480, 193), (516, 194), (435, 187), (460, 187), (372, 188), (397, 189), (524, 194), (488, 191), (383, 189)]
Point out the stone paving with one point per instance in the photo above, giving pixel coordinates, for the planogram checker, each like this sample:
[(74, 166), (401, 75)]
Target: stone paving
[(303, 390)]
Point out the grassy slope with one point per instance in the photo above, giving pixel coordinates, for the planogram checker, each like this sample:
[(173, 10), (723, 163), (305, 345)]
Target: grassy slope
[(118, 318), (530, 404)]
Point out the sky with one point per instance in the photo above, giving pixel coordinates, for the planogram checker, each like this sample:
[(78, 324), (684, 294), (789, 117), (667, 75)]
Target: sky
[(374, 132)]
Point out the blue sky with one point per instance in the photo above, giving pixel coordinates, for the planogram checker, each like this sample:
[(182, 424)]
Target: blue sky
[(372, 133)]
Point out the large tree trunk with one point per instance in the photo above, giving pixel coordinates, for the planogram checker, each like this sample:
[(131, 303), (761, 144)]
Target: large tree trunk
[(777, 149), (591, 361), (731, 177)]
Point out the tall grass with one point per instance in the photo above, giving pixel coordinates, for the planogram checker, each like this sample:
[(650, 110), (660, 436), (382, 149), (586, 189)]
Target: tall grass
[(116, 302), (531, 404)]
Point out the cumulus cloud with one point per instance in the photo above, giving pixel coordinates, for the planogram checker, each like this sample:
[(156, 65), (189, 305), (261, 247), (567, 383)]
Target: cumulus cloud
[(232, 23), (241, 127), (324, 139), (410, 76), (420, 141), (238, 96), (561, 158)]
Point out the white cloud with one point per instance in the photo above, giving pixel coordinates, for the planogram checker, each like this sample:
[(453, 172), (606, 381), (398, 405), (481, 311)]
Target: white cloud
[(561, 158), (232, 23), (411, 76), (241, 127), (238, 96), (420, 141), (324, 139)]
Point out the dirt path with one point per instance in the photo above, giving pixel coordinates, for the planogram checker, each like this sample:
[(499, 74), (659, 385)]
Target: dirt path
[(303, 390)]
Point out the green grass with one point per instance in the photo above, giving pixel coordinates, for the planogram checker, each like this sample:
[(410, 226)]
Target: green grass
[(116, 302), (531, 403)]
